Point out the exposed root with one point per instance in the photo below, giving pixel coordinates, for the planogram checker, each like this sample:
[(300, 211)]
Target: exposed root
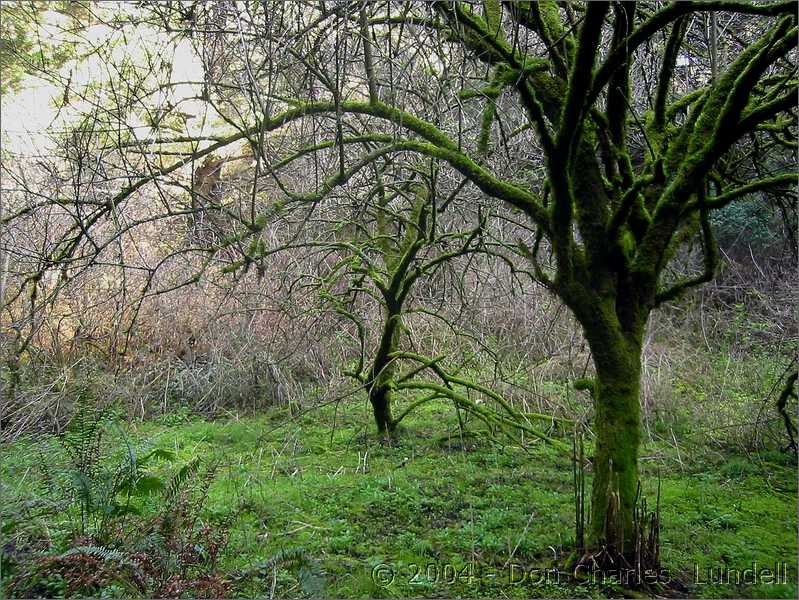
[(634, 564)]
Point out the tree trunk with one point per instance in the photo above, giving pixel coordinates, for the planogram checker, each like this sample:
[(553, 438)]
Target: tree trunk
[(382, 372), (380, 397), (617, 427)]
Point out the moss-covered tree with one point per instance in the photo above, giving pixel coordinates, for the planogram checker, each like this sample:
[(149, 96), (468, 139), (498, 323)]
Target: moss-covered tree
[(396, 241), (405, 233)]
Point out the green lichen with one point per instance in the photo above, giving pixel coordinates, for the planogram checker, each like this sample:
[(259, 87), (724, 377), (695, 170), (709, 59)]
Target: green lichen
[(492, 13), (553, 25)]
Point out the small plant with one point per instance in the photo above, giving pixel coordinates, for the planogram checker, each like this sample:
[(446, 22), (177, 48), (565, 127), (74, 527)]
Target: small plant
[(309, 572), (131, 528), (103, 483)]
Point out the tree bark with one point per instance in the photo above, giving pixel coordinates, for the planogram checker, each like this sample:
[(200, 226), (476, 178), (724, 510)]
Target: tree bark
[(615, 465), (380, 397), (614, 326), (382, 371)]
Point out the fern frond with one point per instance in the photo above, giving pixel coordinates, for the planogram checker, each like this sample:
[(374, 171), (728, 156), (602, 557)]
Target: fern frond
[(185, 473), (82, 437), (103, 553), (284, 556), (309, 573)]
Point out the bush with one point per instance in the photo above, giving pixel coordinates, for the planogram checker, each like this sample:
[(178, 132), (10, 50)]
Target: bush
[(745, 223)]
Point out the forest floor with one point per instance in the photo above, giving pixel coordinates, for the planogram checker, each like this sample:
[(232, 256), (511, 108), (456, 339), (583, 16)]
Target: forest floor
[(430, 517)]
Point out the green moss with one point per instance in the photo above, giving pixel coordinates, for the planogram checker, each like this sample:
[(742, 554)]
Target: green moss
[(286, 483), (617, 427), (628, 243), (553, 24), (585, 384), (492, 13), (483, 140)]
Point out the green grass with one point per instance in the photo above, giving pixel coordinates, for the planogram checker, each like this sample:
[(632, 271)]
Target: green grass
[(432, 519)]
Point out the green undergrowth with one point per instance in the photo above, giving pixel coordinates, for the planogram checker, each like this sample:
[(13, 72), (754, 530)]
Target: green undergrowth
[(435, 517)]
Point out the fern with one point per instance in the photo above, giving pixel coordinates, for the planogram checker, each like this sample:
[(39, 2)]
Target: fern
[(104, 477), (185, 473), (82, 442), (282, 556), (83, 435), (103, 553), (104, 473)]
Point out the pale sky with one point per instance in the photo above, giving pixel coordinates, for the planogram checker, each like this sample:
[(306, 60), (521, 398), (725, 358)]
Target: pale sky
[(29, 113)]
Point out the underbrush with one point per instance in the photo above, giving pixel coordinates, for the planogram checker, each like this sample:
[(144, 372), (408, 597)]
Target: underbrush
[(95, 512), (286, 505), (726, 401), (709, 401), (43, 399)]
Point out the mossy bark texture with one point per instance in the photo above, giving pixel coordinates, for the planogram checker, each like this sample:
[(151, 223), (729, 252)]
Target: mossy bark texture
[(615, 465), (614, 325), (381, 374)]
